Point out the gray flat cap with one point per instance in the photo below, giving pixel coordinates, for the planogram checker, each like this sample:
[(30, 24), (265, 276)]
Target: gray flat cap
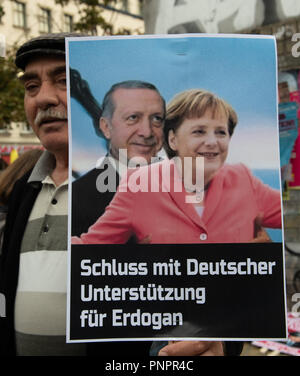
[(46, 44)]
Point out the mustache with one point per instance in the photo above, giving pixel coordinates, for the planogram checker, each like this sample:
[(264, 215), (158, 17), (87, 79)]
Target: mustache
[(150, 141), (50, 114)]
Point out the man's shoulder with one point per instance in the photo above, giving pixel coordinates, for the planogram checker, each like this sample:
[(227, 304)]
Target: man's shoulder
[(23, 179), (88, 203), (86, 177), (93, 173), (21, 200), (22, 184)]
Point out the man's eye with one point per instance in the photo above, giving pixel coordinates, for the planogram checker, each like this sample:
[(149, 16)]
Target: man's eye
[(62, 82), (132, 117), (31, 87), (157, 120)]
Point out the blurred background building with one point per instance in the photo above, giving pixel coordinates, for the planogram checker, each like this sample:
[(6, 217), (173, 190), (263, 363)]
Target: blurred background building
[(24, 19)]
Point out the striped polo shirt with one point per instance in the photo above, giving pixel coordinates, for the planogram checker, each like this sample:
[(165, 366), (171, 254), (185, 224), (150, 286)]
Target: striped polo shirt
[(40, 307)]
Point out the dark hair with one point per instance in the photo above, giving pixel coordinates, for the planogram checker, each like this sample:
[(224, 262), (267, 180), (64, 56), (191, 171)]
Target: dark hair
[(80, 90), (15, 171), (108, 105), (194, 103)]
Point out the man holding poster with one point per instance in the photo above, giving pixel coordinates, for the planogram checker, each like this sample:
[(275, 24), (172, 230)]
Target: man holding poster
[(33, 277)]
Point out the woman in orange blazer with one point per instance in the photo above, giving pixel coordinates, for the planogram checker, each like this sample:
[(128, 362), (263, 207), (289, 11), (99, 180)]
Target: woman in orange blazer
[(168, 202)]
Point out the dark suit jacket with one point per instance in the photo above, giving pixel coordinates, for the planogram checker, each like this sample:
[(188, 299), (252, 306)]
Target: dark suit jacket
[(21, 202), (88, 204)]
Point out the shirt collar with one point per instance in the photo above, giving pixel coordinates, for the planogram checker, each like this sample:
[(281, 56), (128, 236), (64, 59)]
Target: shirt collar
[(43, 168)]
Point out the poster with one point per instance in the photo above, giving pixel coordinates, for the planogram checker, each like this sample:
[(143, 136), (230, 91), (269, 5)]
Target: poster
[(189, 273)]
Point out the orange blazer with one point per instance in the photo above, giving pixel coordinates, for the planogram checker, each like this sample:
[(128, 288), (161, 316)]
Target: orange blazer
[(234, 199)]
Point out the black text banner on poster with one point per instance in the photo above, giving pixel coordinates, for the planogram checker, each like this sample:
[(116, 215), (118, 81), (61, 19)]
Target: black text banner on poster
[(176, 291)]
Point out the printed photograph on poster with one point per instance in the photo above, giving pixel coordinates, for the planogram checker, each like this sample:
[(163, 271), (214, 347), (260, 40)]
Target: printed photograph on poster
[(175, 202)]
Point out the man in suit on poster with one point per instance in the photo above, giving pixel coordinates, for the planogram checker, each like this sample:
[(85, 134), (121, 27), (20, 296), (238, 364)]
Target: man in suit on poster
[(132, 121)]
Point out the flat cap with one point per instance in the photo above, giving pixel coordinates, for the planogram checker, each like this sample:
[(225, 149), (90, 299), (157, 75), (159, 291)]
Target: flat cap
[(46, 44)]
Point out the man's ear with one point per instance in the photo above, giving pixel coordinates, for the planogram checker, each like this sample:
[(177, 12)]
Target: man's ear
[(172, 140), (105, 127)]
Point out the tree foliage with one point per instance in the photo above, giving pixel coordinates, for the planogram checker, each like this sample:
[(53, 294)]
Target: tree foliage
[(2, 13), (11, 91), (91, 17)]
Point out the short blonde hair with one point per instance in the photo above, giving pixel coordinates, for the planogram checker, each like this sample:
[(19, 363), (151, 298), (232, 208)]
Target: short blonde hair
[(191, 104)]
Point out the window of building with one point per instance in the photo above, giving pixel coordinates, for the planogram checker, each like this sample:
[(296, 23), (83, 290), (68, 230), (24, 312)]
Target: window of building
[(45, 23), (1, 13), (125, 5), (19, 14), (25, 129), (140, 7), (68, 23)]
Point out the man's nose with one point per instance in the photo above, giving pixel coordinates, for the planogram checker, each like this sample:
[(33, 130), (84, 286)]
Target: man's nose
[(47, 95), (145, 128)]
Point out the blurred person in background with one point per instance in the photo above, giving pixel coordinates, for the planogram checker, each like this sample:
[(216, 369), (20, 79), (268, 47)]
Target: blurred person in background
[(9, 176)]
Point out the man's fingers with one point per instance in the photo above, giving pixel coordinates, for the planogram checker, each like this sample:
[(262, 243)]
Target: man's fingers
[(146, 240), (187, 348)]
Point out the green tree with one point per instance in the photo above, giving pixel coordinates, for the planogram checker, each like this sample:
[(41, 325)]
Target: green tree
[(11, 92), (1, 12), (91, 17)]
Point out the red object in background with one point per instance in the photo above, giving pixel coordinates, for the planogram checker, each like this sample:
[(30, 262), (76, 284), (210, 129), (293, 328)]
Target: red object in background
[(295, 156), (295, 97), (295, 162), (6, 158), (5, 150)]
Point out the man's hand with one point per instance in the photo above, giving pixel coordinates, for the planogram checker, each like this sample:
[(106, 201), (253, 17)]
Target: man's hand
[(145, 240), (192, 348), (261, 237), (260, 234)]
